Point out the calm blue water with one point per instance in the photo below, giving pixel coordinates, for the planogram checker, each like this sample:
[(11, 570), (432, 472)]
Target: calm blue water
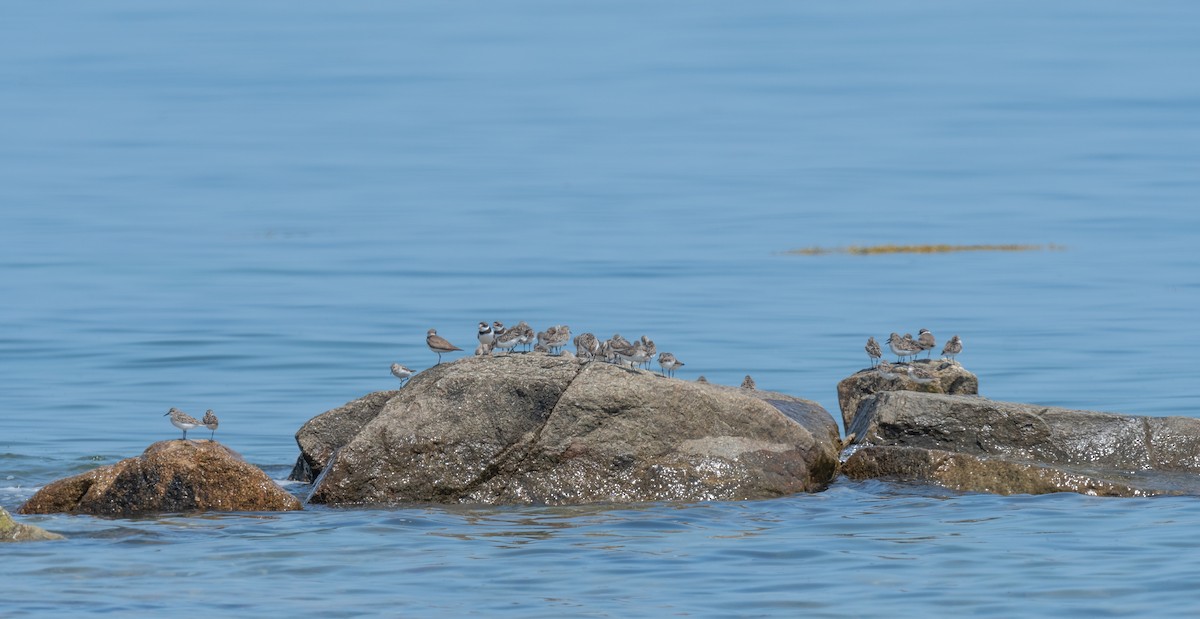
[(256, 208)]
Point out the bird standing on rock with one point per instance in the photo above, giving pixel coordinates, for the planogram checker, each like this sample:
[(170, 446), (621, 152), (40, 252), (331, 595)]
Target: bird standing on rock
[(874, 352), (953, 347), (401, 372), (925, 341), (439, 344), (182, 420), (211, 422), (486, 334), (669, 363)]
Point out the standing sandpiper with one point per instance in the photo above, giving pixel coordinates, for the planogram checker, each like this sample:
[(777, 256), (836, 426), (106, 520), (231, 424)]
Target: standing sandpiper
[(211, 422), (953, 347), (182, 420), (669, 363), (438, 344), (586, 346), (902, 347), (874, 353), (748, 383), (507, 340), (401, 372)]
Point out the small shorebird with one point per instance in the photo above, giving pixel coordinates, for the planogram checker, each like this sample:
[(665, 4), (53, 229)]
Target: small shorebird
[(886, 369), (507, 340), (544, 337), (211, 422), (920, 375), (925, 341), (634, 355), (486, 335), (483, 350), (526, 333), (182, 420), (651, 349), (401, 372), (439, 344), (748, 383), (586, 346), (953, 347), (901, 347), (612, 345), (702, 379), (669, 363), (873, 351), (560, 337)]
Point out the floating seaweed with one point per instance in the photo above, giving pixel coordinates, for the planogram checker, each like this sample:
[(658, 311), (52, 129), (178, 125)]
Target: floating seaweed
[(867, 250)]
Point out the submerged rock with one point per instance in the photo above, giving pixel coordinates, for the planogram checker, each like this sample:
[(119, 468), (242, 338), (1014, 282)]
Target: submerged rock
[(948, 377), (972, 443), (968, 473), (13, 531), (521, 429), (170, 476)]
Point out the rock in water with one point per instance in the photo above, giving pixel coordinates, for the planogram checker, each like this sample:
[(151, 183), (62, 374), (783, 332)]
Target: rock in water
[(13, 531), (170, 476), (325, 433), (949, 378), (532, 429), (976, 444)]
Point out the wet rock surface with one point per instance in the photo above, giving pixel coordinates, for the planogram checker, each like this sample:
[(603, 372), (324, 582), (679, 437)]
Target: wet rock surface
[(972, 443), (538, 429), (13, 531), (169, 477), (948, 377), (322, 435)]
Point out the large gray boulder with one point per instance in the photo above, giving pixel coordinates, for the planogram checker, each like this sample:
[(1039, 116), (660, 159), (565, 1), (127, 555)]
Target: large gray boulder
[(13, 531), (1069, 450), (324, 434), (522, 429), (948, 377)]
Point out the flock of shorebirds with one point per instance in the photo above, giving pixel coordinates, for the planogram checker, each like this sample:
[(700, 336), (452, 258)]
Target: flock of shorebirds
[(905, 347), (495, 338), (617, 349), (186, 422)]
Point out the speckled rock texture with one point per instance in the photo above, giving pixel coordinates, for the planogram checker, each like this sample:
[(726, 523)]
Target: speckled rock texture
[(169, 477), (972, 443), (538, 429), (948, 377), (13, 531)]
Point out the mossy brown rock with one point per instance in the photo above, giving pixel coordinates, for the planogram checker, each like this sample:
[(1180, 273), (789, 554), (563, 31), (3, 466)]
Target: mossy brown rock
[(522, 429), (170, 476), (13, 531), (972, 443), (948, 377)]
